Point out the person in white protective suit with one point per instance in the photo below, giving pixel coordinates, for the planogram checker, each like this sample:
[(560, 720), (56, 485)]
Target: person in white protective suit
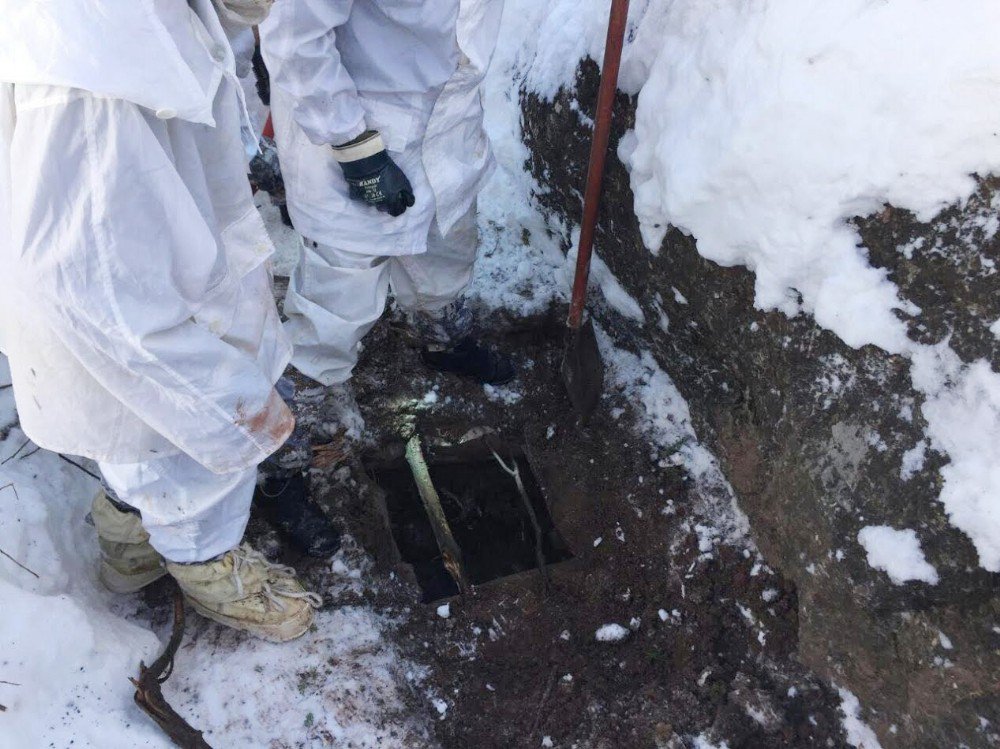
[(135, 297), (379, 125)]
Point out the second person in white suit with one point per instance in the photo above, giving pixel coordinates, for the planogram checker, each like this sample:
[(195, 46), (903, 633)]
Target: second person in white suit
[(379, 125)]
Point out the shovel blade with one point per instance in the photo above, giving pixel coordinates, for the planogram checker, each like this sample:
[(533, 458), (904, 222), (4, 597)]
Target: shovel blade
[(583, 369)]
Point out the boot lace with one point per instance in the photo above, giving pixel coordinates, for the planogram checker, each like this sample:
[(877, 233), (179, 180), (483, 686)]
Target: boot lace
[(279, 579)]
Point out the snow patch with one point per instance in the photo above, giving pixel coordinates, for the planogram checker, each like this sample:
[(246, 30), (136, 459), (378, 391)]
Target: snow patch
[(913, 461), (897, 553), (611, 633), (962, 410), (859, 735)]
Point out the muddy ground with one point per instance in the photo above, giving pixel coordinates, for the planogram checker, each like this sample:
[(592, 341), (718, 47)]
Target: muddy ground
[(711, 636)]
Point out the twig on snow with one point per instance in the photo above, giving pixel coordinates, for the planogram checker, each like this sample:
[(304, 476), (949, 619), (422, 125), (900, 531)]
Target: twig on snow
[(31, 572), (515, 473), (77, 465), (149, 695), (14, 455), (28, 455)]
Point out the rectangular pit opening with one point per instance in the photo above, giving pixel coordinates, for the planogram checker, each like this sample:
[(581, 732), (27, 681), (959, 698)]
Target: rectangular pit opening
[(485, 512)]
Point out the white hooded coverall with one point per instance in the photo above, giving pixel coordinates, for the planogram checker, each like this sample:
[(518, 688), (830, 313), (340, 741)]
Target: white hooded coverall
[(412, 70), (135, 296)]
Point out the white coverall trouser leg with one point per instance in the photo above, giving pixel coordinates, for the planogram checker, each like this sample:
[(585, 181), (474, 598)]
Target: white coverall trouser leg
[(190, 513), (335, 297)]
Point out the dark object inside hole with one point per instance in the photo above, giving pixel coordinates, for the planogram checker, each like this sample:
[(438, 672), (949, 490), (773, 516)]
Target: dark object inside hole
[(487, 518)]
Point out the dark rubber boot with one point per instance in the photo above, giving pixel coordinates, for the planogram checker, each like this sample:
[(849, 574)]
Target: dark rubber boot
[(469, 358), (284, 502)]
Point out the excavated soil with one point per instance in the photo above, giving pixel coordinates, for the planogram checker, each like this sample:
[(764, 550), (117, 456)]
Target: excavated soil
[(710, 633)]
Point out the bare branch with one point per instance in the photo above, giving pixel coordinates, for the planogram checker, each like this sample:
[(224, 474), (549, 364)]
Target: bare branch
[(14, 454), (77, 465), (149, 695)]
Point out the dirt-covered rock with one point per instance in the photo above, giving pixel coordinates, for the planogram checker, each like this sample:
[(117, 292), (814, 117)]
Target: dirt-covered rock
[(812, 434)]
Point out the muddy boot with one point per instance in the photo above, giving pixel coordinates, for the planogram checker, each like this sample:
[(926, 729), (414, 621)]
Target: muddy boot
[(285, 503), (128, 562), (471, 359), (243, 590)]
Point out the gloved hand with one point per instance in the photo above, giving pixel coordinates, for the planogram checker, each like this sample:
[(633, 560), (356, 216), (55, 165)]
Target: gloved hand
[(372, 176)]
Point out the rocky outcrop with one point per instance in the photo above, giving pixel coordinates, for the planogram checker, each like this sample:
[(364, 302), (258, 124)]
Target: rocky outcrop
[(812, 434)]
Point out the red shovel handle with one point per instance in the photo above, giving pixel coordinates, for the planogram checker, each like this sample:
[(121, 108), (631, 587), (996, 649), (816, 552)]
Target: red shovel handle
[(598, 155)]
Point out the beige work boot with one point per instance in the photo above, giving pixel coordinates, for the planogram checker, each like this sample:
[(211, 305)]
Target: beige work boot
[(128, 562), (245, 591)]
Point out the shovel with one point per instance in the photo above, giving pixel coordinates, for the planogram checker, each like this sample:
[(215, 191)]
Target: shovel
[(582, 368)]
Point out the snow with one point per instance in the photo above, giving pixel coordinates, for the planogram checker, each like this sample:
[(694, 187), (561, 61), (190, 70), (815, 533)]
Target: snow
[(913, 461), (703, 742), (70, 645), (897, 553), (664, 419), (60, 643), (859, 735), (963, 420), (763, 139), (611, 633)]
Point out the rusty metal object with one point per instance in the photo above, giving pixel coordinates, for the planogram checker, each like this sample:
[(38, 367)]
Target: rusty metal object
[(582, 367)]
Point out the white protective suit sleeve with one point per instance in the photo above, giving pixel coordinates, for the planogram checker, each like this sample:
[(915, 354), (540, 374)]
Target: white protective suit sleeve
[(304, 62), (99, 222)]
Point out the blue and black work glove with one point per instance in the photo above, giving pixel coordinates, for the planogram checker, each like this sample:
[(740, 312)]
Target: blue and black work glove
[(372, 176)]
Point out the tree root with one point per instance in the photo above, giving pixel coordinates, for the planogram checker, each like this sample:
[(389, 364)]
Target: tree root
[(451, 554), (149, 695), (515, 473)]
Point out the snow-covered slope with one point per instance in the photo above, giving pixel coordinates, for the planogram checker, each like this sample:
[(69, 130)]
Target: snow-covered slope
[(763, 128)]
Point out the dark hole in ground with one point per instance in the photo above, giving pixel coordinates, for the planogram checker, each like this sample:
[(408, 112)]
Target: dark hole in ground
[(487, 517)]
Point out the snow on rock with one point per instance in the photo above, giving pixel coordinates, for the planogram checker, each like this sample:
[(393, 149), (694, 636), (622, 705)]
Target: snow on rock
[(859, 735), (913, 461), (963, 420), (762, 138), (611, 633), (665, 418), (703, 742), (897, 553)]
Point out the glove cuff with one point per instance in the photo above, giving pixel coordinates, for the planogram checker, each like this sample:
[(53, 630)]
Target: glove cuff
[(359, 149)]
